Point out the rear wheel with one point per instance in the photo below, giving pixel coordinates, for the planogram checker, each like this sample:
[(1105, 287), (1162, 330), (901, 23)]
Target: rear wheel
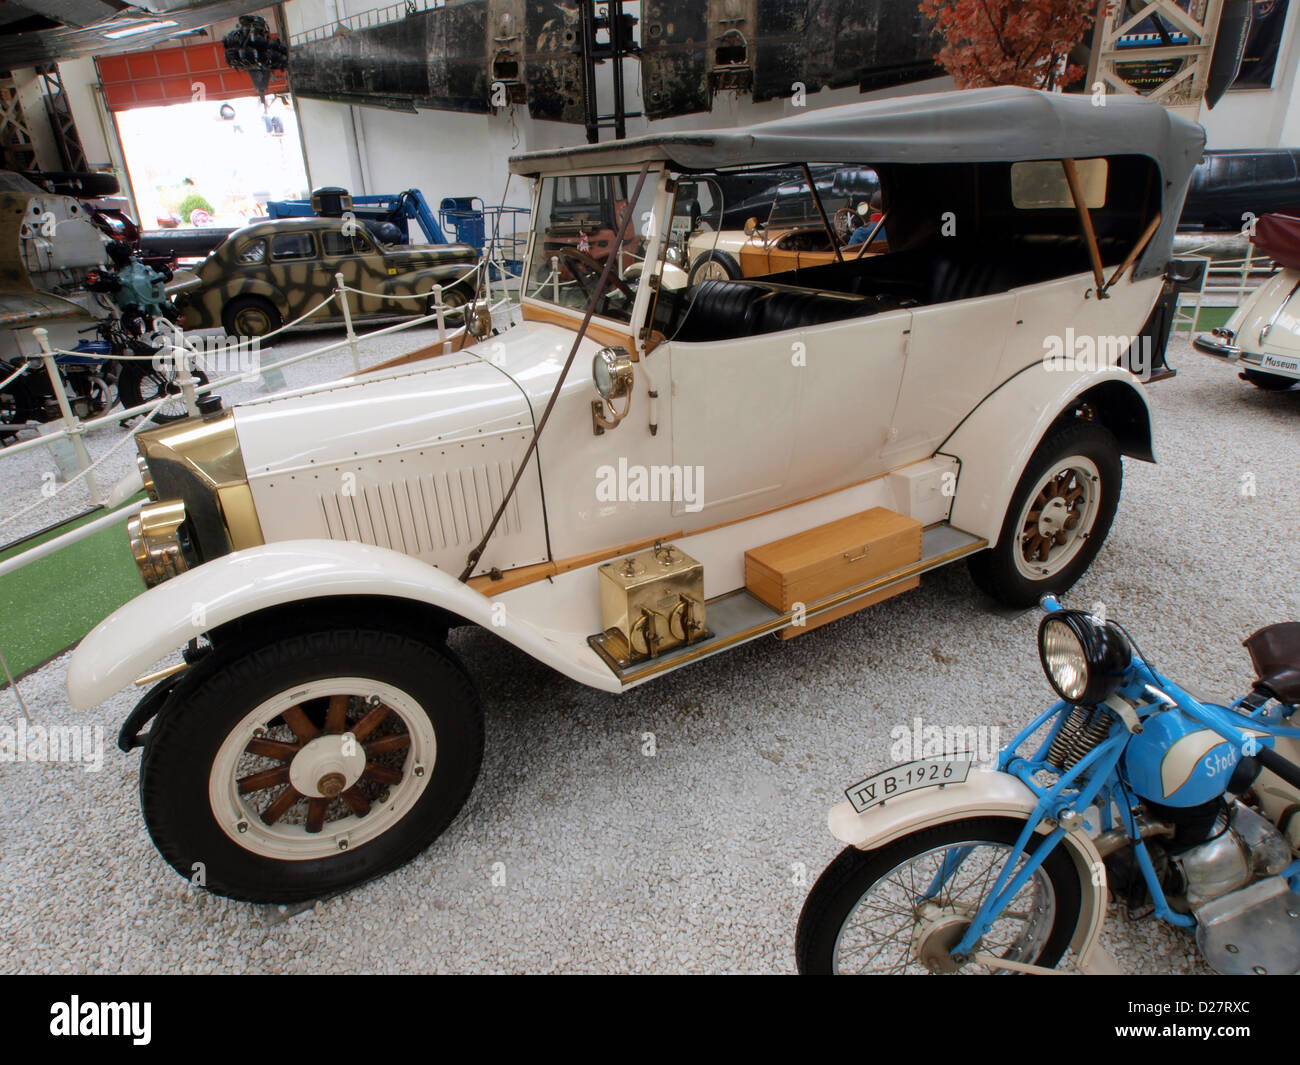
[(1269, 382), (902, 908), (1058, 518), (250, 316), (311, 764)]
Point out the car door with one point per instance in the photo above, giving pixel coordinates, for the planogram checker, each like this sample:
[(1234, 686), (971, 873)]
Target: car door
[(350, 253), (295, 271), (953, 355), (781, 417)]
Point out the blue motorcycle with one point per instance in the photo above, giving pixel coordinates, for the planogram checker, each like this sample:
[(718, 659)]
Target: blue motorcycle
[(1128, 787)]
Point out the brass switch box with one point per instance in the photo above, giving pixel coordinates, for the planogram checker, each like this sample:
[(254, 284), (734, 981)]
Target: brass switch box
[(650, 602)]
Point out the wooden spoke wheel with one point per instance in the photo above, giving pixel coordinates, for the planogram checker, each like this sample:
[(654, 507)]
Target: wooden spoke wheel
[(291, 767), (320, 769), (1057, 517)]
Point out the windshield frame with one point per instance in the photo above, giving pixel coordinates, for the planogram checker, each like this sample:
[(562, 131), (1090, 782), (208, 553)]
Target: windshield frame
[(659, 180)]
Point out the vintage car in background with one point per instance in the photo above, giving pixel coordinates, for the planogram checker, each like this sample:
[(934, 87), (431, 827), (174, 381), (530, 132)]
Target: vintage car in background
[(790, 234), (270, 273), (640, 475), (1263, 334)]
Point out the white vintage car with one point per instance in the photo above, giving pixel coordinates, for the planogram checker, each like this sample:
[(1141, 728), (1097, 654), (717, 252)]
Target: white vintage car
[(640, 475), (1263, 335)]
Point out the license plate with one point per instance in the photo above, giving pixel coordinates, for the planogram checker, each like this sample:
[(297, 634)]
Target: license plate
[(901, 779), (1278, 362)]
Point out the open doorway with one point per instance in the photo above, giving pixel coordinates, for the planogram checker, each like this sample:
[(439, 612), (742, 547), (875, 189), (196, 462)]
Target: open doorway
[(212, 162)]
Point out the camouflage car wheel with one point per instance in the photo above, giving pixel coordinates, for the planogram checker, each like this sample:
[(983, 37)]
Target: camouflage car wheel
[(250, 316)]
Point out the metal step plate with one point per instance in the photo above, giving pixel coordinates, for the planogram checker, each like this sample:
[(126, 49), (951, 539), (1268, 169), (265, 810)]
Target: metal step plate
[(1254, 931), (738, 617)]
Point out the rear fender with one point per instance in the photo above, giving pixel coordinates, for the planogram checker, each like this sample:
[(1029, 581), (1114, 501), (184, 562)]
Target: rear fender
[(997, 439)]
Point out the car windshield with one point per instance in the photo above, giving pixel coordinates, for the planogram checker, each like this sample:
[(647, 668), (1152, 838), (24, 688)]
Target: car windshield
[(577, 221)]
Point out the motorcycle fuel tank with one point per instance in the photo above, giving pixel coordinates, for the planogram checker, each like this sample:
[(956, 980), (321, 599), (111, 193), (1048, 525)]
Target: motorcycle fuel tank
[(1175, 762)]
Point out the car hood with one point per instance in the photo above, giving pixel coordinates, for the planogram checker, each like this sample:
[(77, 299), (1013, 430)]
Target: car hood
[(413, 459), (448, 400)]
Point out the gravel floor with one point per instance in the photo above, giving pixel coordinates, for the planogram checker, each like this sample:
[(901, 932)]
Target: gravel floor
[(692, 859)]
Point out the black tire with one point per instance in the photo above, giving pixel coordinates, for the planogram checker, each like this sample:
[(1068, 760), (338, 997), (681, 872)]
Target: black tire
[(141, 382), (842, 884), (454, 299), (996, 572), (250, 316), (1269, 382), (721, 258), (186, 737)]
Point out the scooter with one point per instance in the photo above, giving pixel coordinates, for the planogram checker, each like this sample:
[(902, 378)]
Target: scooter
[(1128, 784)]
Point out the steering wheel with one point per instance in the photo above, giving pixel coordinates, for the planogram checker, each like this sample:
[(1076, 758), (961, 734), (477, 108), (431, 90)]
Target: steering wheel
[(846, 220), (595, 269)]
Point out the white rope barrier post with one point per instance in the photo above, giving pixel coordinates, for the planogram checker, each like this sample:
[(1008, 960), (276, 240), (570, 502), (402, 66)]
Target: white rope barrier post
[(555, 276), (184, 378), (71, 423), (442, 322), (347, 320)]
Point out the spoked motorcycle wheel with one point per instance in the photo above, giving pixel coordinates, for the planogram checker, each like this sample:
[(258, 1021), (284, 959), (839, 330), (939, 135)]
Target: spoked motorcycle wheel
[(885, 911), (311, 764), (142, 382)]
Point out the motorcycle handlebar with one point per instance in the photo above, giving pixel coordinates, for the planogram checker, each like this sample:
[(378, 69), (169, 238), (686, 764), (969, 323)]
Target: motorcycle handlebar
[(1283, 767)]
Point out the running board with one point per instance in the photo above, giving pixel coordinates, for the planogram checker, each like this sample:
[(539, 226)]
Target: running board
[(738, 617)]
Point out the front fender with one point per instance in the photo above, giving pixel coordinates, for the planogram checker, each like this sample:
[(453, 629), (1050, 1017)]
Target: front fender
[(982, 794), (997, 438), (126, 643)]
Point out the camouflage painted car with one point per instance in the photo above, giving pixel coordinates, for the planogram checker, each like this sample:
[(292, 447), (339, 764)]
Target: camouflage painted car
[(273, 272)]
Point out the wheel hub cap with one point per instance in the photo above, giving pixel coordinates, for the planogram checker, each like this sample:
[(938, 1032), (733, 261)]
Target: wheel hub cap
[(938, 930), (1054, 517), (327, 766)]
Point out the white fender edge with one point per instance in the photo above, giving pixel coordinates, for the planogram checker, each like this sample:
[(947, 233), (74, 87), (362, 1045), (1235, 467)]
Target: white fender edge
[(982, 794), (171, 614)]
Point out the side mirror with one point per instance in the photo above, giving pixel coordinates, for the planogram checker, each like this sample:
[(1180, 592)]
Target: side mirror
[(611, 373)]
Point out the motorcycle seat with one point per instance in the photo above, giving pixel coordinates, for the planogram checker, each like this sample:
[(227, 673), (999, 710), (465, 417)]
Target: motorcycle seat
[(1275, 654)]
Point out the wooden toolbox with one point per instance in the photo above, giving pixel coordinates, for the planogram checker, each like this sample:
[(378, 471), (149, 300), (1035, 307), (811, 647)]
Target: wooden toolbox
[(812, 565)]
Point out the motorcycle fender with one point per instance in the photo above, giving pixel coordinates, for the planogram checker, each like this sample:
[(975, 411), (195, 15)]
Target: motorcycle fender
[(982, 794), (168, 616)]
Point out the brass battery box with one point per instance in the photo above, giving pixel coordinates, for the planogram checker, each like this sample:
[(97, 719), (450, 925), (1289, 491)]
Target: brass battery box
[(650, 602)]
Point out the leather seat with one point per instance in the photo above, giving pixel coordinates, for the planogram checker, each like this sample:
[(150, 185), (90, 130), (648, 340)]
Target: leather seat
[(718, 310), (1275, 654), (723, 310)]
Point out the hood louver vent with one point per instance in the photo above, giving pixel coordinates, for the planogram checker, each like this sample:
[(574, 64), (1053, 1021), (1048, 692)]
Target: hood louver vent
[(424, 514)]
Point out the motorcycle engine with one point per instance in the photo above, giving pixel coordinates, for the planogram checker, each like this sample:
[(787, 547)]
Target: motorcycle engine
[(1240, 847)]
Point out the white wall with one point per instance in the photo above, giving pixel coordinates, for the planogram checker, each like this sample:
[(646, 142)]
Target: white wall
[(445, 153)]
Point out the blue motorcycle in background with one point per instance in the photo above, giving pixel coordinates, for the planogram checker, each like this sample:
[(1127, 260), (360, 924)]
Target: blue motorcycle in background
[(1128, 786)]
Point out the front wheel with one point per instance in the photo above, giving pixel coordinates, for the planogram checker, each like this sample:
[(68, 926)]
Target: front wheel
[(902, 908), (1058, 517), (311, 764)]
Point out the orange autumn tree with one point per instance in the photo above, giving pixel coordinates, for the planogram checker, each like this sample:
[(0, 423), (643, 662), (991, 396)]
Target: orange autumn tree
[(1010, 42)]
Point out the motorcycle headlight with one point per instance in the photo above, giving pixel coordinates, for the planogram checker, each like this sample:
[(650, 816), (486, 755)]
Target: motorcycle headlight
[(1084, 659)]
